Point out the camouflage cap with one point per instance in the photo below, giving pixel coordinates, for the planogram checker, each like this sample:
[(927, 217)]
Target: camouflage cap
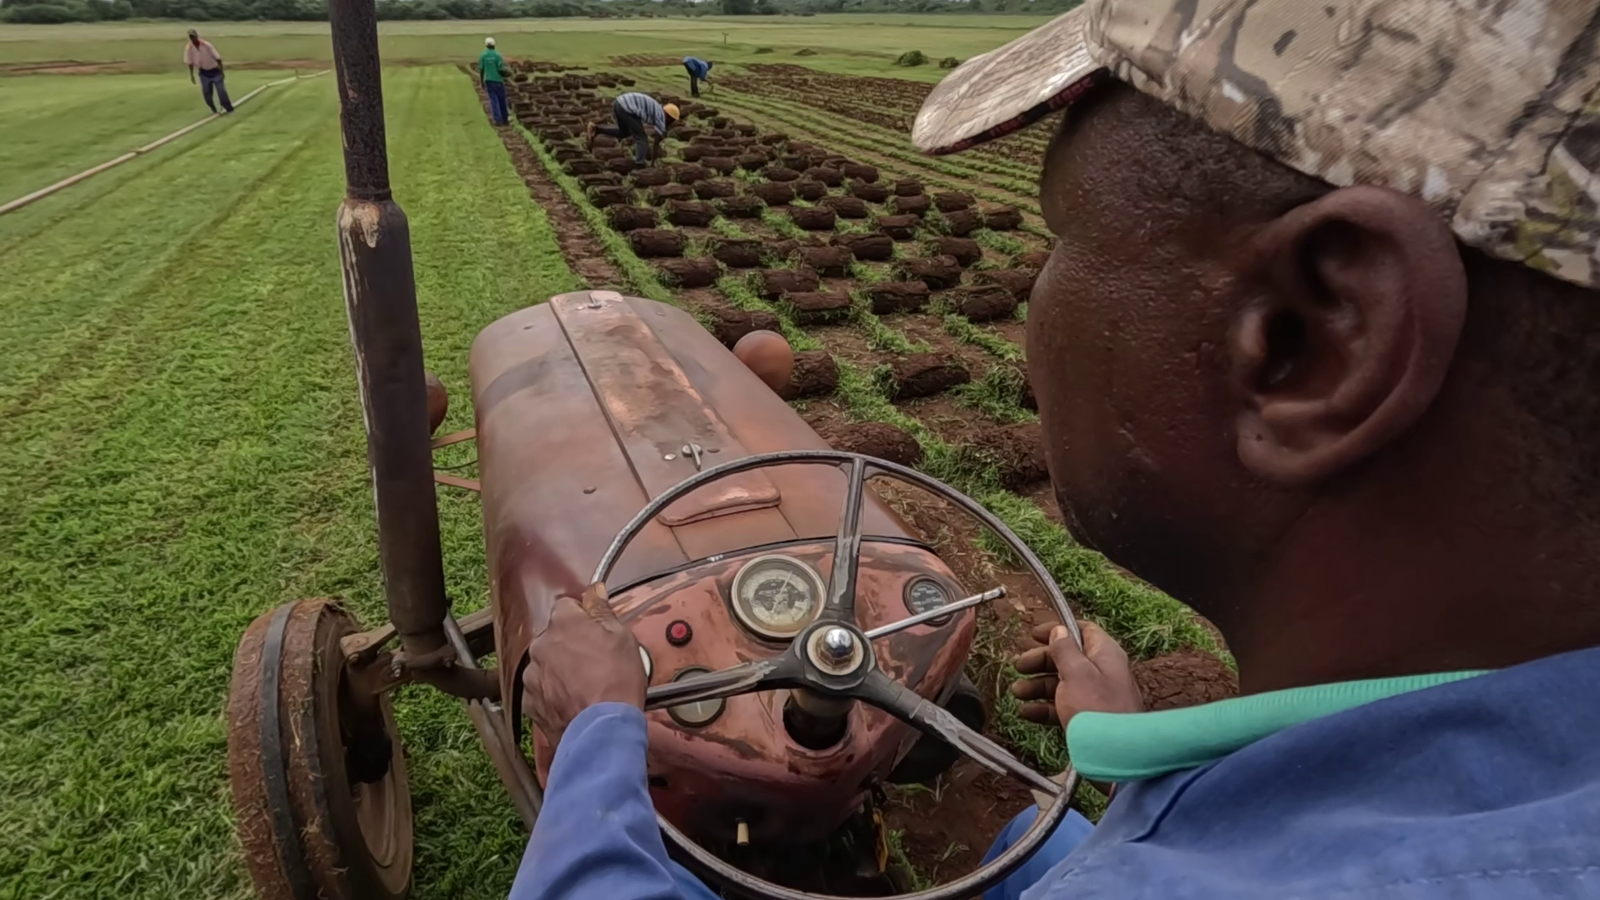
[(1489, 111)]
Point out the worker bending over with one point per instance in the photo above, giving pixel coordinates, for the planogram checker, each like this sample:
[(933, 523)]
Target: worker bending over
[(699, 70), (637, 115)]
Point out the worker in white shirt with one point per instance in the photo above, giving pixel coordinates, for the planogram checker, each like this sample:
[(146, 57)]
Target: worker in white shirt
[(201, 54)]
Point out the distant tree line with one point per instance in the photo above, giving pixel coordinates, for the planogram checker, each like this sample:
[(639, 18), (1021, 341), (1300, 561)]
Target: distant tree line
[(56, 11)]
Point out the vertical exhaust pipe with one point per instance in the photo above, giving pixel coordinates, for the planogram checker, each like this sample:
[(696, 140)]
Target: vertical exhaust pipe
[(380, 296)]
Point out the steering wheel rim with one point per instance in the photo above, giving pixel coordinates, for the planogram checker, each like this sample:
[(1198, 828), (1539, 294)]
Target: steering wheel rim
[(799, 667)]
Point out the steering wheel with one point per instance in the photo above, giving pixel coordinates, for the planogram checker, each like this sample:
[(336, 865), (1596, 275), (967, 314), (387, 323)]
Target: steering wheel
[(833, 657)]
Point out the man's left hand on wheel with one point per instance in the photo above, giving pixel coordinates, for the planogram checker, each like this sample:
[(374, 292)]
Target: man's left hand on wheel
[(582, 656)]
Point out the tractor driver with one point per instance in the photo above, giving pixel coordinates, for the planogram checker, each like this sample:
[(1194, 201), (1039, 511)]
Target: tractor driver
[(1318, 353)]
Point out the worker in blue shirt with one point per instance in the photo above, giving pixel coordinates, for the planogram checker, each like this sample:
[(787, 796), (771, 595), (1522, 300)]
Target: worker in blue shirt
[(699, 70), (1316, 352), (637, 116)]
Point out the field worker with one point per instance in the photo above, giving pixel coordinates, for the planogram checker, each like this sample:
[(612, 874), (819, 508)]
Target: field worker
[(699, 70), (492, 69), (637, 114), (200, 54), (1317, 352)]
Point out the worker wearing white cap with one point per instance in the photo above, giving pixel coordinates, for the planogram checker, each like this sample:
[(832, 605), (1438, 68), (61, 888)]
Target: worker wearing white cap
[(492, 69)]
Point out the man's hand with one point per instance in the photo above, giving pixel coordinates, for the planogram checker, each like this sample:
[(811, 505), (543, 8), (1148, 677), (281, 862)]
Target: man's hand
[(581, 656), (1066, 681)]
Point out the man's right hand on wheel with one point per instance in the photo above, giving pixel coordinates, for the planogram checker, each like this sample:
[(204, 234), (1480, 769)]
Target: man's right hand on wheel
[(1061, 680), (580, 657)]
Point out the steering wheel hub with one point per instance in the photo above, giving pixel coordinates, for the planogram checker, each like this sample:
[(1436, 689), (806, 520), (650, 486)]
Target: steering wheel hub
[(835, 650)]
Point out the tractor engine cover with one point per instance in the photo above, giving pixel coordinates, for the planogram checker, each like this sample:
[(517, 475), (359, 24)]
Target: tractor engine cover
[(590, 405)]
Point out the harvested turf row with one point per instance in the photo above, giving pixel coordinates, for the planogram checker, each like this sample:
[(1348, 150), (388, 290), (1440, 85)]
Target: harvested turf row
[(1017, 179), (1032, 224), (842, 130), (1012, 175), (906, 163), (776, 224), (821, 125), (889, 103)]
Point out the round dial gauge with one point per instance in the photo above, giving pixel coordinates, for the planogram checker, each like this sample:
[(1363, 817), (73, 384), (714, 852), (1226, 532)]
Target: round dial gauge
[(700, 713), (924, 594), (777, 596)]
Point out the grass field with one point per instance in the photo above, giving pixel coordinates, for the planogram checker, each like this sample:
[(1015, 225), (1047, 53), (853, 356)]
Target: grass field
[(184, 450), (57, 126), (184, 446), (860, 44)]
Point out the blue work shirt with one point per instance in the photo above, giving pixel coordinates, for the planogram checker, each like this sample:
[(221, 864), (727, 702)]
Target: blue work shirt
[(697, 67), (1485, 787), (646, 108)]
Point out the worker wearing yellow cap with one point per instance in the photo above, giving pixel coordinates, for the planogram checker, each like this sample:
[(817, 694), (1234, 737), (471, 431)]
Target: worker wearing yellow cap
[(637, 114)]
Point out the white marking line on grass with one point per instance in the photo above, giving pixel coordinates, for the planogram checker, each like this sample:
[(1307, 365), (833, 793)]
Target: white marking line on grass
[(40, 194)]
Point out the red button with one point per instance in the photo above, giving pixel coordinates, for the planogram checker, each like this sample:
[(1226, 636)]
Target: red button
[(678, 633)]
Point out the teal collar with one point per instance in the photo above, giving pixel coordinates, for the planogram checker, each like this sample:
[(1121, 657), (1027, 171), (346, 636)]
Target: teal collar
[(1135, 746)]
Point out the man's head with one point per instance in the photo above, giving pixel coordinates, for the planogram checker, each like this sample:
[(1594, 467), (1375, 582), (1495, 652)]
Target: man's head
[(671, 109), (1256, 384), (489, 42), (1219, 342), (194, 36)]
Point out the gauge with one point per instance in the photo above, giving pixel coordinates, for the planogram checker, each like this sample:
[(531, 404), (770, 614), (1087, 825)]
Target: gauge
[(777, 596), (700, 713), (924, 594)]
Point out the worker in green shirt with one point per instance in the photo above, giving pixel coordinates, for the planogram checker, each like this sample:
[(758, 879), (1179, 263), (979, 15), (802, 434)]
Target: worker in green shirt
[(492, 69)]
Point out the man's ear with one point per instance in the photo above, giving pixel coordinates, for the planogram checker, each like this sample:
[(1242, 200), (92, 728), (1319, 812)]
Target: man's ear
[(1357, 302)]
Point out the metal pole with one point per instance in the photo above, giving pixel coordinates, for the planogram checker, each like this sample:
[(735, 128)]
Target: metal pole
[(380, 297)]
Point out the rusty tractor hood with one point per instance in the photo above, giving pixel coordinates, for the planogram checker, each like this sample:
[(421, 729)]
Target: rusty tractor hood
[(584, 406)]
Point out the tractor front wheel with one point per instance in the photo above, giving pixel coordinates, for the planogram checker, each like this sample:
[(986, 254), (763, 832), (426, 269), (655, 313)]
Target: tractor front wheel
[(317, 771)]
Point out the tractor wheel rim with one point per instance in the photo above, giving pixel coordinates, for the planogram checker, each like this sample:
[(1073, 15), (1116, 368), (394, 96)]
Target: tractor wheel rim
[(375, 814)]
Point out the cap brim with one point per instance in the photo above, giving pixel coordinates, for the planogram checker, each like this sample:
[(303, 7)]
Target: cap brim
[(993, 95)]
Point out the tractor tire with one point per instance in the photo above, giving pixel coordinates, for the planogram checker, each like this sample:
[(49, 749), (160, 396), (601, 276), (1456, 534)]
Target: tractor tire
[(319, 789)]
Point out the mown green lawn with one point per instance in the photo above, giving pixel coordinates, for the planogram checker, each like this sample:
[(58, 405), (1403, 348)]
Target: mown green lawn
[(854, 43), (183, 450), (57, 126)]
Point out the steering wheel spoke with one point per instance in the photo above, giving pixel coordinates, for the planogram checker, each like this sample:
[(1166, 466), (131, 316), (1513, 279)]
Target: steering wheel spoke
[(745, 678), (994, 593), (931, 718), (841, 606)]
